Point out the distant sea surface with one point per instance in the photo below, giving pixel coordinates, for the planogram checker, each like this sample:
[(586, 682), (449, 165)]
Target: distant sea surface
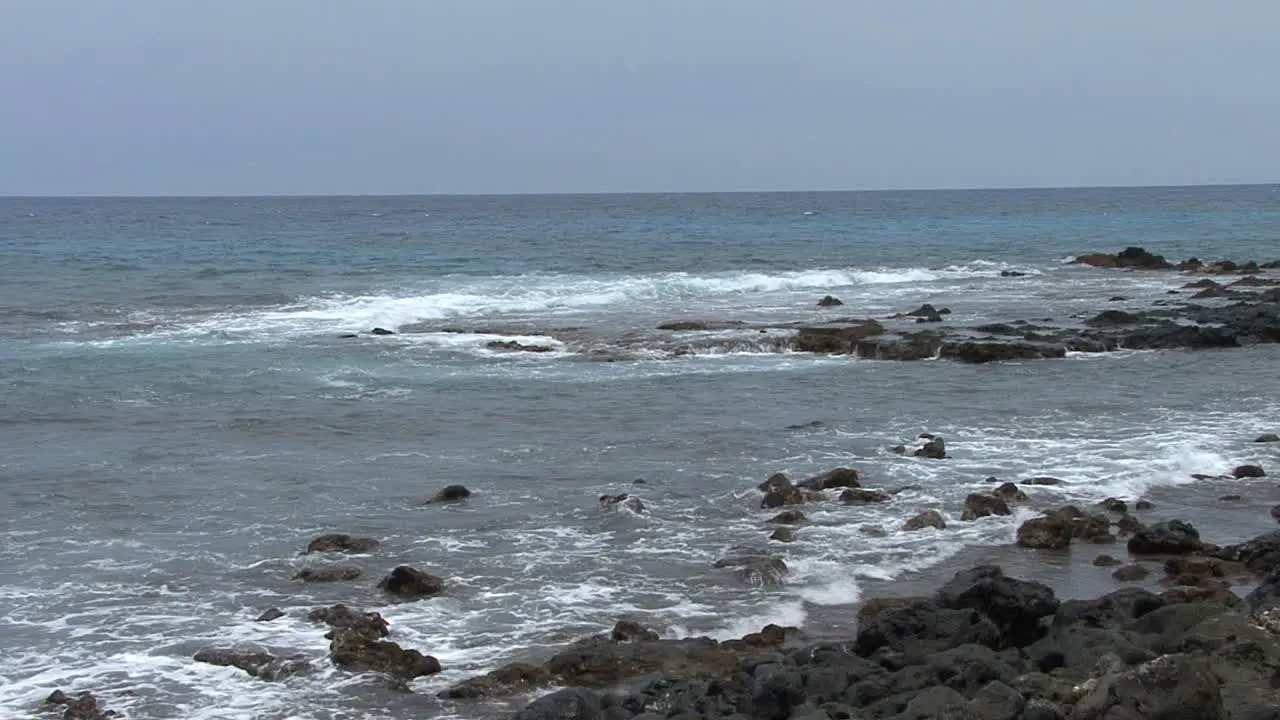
[(179, 416)]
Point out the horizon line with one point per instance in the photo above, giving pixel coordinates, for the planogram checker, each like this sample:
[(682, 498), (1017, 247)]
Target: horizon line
[(212, 196)]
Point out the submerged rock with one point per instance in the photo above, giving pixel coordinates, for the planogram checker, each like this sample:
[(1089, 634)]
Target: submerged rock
[(1131, 573), (838, 478), (257, 663), (756, 569), (864, 497), (1248, 471), (270, 614), (342, 543), (787, 517), (928, 518), (411, 583), (935, 448), (381, 331), (330, 573), (979, 505), (622, 500), (84, 706), (829, 301), (450, 494), (342, 617), (1049, 532), (1267, 438)]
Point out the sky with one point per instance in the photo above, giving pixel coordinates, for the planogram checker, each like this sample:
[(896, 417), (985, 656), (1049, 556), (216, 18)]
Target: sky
[(244, 97)]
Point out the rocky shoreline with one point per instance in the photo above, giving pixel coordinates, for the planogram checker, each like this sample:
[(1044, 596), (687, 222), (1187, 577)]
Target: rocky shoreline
[(1231, 305)]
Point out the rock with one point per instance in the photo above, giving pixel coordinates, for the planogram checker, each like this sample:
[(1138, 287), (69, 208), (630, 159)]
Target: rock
[(257, 663), (1010, 493), (1114, 505), (756, 569), (516, 346), (628, 631), (1170, 687), (776, 481), (411, 583), (568, 704), (269, 615), (838, 478), (978, 505), (1117, 298), (622, 500), (835, 339), (925, 313), (1016, 606), (935, 449), (1260, 554), (898, 449), (928, 518), (342, 617), (381, 331), (348, 336), (80, 707), (1229, 498), (1012, 273), (1045, 533), (450, 494), (1128, 524), (1144, 505), (1248, 471), (812, 424), (684, 325), (342, 543), (1044, 480), (1132, 257), (787, 517), (829, 301), (781, 497), (981, 352), (1114, 317), (1131, 573), (1275, 511), (1105, 561), (1174, 537), (330, 573), (863, 497), (783, 534), (355, 651), (920, 626), (1090, 528), (1268, 438)]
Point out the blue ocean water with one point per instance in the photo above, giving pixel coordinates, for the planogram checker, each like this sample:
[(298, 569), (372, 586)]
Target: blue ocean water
[(179, 415)]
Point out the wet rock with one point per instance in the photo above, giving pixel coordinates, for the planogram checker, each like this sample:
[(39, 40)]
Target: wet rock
[(342, 543), (835, 339), (1268, 438), (411, 583), (1260, 554), (783, 534), (871, 530), (863, 497), (348, 336), (928, 518), (1012, 273), (1049, 532), (568, 704), (1117, 298), (1016, 606), (912, 346), (450, 494), (921, 626), (1144, 505), (355, 651), (1248, 471), (776, 481), (628, 631), (1173, 537), (979, 505), (838, 478), (1172, 687), (925, 313), (1275, 511), (1090, 528), (1114, 317), (783, 496), (257, 663), (342, 617), (935, 449), (1044, 480), (1010, 493), (812, 424), (787, 517), (829, 301), (1229, 498), (1114, 505), (84, 706), (684, 326), (622, 500), (898, 449), (329, 573), (982, 352), (1128, 524), (516, 346), (756, 569), (1131, 257), (1106, 561), (381, 331), (269, 615), (1131, 573)]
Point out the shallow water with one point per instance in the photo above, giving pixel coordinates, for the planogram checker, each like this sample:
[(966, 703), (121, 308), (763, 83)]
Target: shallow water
[(179, 418)]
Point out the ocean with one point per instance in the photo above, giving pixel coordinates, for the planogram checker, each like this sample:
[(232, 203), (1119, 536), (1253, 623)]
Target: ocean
[(180, 414)]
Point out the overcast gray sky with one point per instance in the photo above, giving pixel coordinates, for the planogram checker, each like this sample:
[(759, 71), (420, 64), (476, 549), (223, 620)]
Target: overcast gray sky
[(496, 96)]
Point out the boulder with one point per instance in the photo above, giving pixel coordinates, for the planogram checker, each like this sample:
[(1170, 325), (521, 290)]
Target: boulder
[(84, 706), (787, 517), (1105, 561), (1044, 480), (1170, 687), (567, 704), (1049, 532), (1260, 554), (1268, 438), (257, 663), (1248, 471), (342, 617), (928, 518), (1131, 257), (1010, 493), (1143, 505), (629, 631), (355, 651), (1131, 573), (838, 478), (781, 497), (783, 534), (411, 583), (381, 331), (1173, 537), (756, 569), (269, 615), (1275, 511), (450, 494), (935, 448), (1114, 505), (921, 626), (342, 543), (925, 313), (979, 505), (776, 481), (622, 501), (829, 301), (835, 339), (1016, 606), (328, 573), (863, 497)]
